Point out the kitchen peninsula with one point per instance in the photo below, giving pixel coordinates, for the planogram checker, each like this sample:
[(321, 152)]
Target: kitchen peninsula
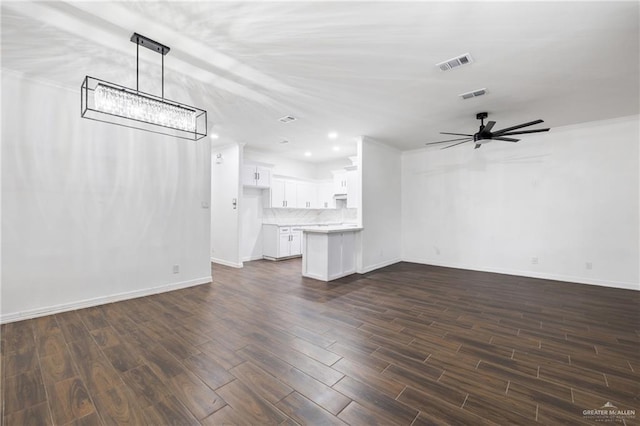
[(329, 252)]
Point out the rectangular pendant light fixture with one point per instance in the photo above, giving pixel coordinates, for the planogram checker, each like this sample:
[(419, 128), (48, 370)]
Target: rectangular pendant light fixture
[(111, 103)]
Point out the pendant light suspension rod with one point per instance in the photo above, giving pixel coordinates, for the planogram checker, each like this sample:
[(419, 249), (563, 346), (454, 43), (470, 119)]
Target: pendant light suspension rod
[(160, 48), (137, 67), (162, 76)]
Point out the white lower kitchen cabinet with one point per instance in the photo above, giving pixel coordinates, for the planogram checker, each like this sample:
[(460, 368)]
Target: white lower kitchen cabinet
[(280, 242), (329, 253)]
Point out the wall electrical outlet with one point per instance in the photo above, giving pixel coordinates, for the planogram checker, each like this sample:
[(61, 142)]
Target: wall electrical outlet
[(176, 269), (588, 265), (534, 260)]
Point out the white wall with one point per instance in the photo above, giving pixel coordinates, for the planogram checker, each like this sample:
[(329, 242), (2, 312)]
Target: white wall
[(380, 240), (567, 198), (93, 212), (251, 220), (225, 218)]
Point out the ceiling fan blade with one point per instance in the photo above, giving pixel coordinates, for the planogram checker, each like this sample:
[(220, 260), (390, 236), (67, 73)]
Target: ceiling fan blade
[(456, 134), (521, 132), (499, 138), (448, 140), (488, 127), (451, 146), (519, 126)]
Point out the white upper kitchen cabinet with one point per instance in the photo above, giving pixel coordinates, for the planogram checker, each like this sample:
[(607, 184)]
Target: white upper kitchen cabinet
[(282, 194), (307, 195), (345, 182), (256, 176), (340, 182), (325, 196)]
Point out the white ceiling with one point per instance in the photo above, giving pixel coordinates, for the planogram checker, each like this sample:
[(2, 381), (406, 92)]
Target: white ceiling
[(356, 68)]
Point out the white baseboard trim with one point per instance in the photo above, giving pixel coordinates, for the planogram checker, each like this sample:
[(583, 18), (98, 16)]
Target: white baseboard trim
[(250, 258), (87, 303), (532, 274), (384, 264), (227, 263)]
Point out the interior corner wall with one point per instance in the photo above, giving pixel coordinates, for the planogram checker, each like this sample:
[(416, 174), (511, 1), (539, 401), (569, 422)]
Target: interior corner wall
[(93, 212), (561, 205), (226, 205), (380, 173)]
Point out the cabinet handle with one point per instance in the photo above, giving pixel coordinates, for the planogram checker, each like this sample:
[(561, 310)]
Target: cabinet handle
[(258, 176)]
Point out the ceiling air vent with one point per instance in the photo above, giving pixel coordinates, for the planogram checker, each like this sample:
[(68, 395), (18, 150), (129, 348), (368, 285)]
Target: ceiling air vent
[(455, 62), (473, 93), (287, 119)]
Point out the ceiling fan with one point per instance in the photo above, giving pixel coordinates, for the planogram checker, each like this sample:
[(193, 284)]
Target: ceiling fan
[(485, 134)]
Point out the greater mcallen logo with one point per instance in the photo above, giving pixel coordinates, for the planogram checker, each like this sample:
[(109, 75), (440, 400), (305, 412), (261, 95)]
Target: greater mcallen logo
[(609, 413)]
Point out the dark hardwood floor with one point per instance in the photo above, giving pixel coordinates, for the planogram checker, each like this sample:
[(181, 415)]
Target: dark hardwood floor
[(408, 344)]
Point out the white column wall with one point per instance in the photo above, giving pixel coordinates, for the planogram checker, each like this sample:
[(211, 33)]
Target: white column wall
[(380, 205)]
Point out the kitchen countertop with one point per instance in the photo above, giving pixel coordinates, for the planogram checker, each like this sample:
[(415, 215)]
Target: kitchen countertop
[(309, 225), (330, 229)]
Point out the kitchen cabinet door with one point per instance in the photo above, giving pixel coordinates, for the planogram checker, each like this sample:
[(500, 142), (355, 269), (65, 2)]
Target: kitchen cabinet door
[(295, 243), (340, 182), (256, 176), (325, 196), (263, 175), (306, 195), (284, 246)]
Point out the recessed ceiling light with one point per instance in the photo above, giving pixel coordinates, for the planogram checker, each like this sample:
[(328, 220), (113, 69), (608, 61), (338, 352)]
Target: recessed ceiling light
[(332, 135), (214, 136), (307, 154), (284, 141), (336, 148)]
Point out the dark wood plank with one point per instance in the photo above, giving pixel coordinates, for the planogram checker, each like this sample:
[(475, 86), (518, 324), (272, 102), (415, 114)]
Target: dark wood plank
[(97, 373), (106, 337), (56, 367), (145, 385), (169, 411), (35, 415), (117, 406), (21, 361), (69, 400), (261, 382), (306, 412), (199, 399), (23, 391), (209, 371), (367, 396), (316, 391), (437, 411), (243, 399)]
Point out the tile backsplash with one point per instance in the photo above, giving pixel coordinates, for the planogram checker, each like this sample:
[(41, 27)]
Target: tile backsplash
[(309, 216)]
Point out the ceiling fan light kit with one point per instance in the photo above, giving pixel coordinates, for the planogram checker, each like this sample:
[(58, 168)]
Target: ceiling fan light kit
[(485, 134), (112, 103)]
